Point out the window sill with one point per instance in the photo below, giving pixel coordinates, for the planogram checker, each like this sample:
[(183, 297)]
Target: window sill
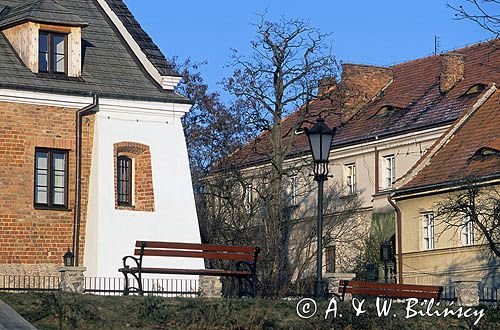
[(51, 208), (125, 207)]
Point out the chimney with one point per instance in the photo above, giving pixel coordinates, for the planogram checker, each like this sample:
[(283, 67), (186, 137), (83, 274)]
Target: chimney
[(326, 83), (359, 84), (452, 71)]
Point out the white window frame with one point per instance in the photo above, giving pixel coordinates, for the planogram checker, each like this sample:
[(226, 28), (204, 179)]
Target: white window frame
[(428, 239), (389, 174), (350, 178), (248, 196), (467, 231), (294, 200)]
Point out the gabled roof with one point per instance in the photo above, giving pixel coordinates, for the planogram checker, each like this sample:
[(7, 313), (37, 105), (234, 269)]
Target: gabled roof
[(40, 11), (454, 157), (109, 66), (414, 90)]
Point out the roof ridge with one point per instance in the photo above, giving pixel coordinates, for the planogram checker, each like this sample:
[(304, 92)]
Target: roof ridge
[(451, 50)]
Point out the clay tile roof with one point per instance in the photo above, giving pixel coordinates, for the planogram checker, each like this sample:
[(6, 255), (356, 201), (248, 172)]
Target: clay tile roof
[(414, 91), (456, 160)]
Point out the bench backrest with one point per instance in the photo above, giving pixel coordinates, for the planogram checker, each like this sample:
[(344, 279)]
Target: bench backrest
[(391, 290), (193, 250)]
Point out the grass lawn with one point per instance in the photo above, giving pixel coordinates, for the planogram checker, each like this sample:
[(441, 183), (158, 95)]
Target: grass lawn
[(72, 311)]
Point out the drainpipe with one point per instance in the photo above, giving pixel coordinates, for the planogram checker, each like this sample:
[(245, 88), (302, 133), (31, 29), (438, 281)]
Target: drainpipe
[(399, 238), (86, 111), (377, 174)]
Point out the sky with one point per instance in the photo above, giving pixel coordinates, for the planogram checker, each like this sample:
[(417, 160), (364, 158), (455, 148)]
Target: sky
[(377, 32)]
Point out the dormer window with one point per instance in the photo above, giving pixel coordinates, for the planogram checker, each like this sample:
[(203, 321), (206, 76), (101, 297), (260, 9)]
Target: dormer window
[(46, 36), (477, 88), (52, 52), (385, 110)]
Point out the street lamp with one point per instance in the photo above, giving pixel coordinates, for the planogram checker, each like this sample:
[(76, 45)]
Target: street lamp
[(320, 138), (69, 259)]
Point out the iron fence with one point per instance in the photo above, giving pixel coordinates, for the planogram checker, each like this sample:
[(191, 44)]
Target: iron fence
[(165, 287), (25, 283), (448, 294), (488, 295), (102, 285)]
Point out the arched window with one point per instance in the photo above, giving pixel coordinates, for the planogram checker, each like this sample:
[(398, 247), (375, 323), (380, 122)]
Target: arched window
[(124, 181)]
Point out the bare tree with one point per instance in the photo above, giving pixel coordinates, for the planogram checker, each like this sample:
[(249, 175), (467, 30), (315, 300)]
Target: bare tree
[(280, 76), (231, 217), (212, 128), (475, 203), (486, 13)]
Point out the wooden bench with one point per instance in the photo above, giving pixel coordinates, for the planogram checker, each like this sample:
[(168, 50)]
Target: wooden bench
[(389, 290), (245, 257)]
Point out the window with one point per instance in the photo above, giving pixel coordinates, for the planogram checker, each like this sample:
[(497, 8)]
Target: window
[(467, 231), (389, 171), (52, 52), (293, 191), (248, 198), (385, 110), (124, 186), (331, 258), (51, 179), (477, 88), (428, 225), (350, 178)]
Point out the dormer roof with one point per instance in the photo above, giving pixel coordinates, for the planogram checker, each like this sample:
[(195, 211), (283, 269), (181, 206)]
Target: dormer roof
[(40, 11), (110, 66)]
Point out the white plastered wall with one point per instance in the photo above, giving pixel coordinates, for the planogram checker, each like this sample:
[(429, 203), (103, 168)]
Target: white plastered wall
[(111, 233)]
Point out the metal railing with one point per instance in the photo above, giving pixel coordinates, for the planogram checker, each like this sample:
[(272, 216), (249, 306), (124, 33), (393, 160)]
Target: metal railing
[(165, 287), (25, 283), (448, 294), (111, 286), (488, 295)]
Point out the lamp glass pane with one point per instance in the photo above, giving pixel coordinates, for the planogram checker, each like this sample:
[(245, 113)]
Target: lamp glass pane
[(325, 145), (315, 140)]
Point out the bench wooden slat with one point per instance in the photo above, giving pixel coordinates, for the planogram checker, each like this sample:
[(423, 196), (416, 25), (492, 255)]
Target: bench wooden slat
[(196, 254), (216, 272), (195, 246), (392, 286)]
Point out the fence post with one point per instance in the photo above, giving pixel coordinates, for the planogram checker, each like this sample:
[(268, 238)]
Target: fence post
[(210, 286), (72, 279), (467, 292)]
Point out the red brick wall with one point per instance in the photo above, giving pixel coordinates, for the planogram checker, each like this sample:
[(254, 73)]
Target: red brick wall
[(28, 235), (143, 195), (359, 84)]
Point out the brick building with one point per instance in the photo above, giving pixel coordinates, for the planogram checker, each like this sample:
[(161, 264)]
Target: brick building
[(92, 151)]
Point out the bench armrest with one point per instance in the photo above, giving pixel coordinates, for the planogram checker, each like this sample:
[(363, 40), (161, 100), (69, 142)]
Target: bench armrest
[(136, 260)]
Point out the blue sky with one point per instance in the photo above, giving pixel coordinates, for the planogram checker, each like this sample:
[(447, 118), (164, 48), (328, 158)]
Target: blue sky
[(372, 32)]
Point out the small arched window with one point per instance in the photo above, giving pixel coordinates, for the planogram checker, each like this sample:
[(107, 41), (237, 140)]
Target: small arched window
[(125, 182)]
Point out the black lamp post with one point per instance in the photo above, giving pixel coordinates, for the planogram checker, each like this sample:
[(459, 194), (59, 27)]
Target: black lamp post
[(69, 259), (320, 138), (385, 257)]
